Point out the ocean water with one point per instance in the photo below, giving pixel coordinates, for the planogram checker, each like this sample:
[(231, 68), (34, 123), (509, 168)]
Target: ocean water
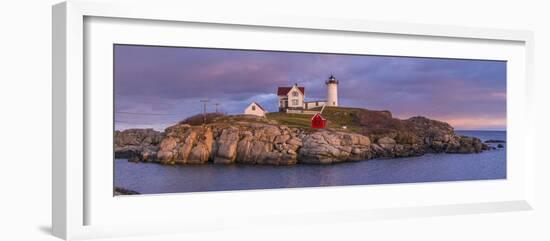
[(148, 178)]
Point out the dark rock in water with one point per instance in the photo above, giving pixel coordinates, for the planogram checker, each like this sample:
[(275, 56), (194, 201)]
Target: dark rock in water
[(123, 191), (500, 146), (494, 141)]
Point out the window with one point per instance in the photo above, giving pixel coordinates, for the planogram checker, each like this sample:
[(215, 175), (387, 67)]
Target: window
[(253, 107), (294, 102), (294, 93)]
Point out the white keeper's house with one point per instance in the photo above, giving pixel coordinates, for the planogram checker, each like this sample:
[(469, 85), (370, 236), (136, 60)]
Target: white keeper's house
[(293, 98)]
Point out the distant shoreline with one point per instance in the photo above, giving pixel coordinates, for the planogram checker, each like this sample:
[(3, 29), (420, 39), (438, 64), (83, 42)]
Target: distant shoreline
[(483, 130)]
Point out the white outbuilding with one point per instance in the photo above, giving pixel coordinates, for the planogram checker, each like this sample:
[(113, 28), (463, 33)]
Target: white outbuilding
[(255, 109)]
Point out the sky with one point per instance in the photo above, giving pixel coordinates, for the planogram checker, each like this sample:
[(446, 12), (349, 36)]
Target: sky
[(156, 87)]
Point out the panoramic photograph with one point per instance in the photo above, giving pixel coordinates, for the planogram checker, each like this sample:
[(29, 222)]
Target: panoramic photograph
[(190, 119)]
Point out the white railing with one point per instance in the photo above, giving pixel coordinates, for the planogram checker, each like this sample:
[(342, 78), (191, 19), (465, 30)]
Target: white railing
[(304, 112)]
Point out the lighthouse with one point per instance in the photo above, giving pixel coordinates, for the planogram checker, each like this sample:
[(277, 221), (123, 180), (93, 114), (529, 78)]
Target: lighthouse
[(332, 91)]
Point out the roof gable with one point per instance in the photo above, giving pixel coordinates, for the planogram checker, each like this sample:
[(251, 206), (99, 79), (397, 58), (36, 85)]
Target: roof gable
[(318, 115), (259, 106), (285, 90)]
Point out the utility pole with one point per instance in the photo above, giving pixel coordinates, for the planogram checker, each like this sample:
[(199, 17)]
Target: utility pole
[(205, 101), (216, 104)]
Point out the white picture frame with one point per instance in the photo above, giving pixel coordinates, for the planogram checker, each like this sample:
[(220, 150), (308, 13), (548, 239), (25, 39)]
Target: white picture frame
[(73, 192)]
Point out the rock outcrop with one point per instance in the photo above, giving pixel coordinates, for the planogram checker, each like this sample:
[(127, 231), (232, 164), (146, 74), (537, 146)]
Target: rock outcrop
[(137, 144), (224, 143), (273, 144), (324, 147)]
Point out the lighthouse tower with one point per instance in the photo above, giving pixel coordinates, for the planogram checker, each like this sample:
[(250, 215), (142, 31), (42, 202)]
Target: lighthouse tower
[(332, 91)]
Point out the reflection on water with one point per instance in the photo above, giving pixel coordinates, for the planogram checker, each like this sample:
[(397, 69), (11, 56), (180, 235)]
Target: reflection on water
[(153, 178)]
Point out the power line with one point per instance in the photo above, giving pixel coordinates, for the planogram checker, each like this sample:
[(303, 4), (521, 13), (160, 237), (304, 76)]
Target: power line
[(205, 101), (141, 113), (143, 123)]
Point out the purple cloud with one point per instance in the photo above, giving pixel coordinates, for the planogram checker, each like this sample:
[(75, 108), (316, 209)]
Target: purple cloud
[(158, 86)]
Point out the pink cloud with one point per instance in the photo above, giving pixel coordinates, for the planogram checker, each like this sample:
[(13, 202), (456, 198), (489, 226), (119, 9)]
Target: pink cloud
[(475, 123)]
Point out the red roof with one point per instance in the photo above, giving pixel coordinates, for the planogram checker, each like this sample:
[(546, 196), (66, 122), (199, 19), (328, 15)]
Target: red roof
[(317, 115), (259, 105), (285, 90)]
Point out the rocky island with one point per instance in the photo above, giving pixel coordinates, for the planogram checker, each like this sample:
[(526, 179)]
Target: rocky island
[(353, 134)]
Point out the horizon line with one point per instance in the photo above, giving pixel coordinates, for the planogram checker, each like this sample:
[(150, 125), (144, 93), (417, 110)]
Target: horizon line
[(480, 129)]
